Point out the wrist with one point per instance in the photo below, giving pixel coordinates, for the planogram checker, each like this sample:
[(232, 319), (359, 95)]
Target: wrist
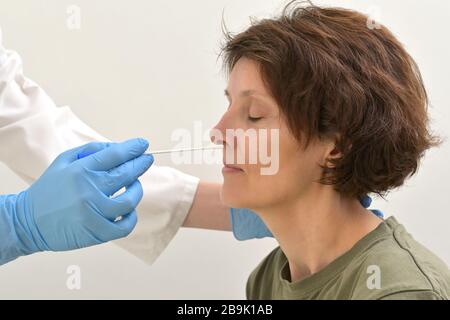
[(13, 236), (23, 237)]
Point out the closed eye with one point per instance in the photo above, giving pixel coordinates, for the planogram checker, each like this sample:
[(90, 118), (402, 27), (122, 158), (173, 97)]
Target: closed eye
[(254, 119)]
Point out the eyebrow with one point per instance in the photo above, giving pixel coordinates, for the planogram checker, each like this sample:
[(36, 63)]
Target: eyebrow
[(245, 93)]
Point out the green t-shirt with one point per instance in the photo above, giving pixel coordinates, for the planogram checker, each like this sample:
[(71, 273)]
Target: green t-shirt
[(386, 264)]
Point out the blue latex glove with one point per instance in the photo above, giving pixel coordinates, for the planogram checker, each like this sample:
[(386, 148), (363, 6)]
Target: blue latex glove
[(248, 225), (70, 205)]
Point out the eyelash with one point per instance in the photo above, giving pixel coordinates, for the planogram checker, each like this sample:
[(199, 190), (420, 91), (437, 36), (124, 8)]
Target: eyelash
[(254, 119)]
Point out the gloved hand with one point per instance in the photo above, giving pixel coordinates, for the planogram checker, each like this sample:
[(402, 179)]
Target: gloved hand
[(70, 205), (248, 225)]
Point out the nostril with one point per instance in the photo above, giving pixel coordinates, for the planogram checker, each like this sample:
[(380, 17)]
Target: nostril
[(216, 136)]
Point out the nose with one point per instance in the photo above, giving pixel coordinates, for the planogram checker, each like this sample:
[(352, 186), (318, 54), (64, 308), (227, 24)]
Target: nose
[(217, 133), (216, 136)]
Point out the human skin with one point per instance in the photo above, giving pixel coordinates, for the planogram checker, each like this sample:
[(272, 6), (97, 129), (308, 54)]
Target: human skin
[(208, 211), (313, 223)]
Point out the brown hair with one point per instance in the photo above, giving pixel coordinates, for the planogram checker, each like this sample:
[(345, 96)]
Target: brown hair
[(333, 76)]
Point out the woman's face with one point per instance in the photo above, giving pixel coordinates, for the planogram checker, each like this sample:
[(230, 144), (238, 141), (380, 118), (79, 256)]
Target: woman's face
[(252, 109)]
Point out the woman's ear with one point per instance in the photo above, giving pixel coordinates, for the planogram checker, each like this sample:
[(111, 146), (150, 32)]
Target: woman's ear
[(332, 153), (333, 156)]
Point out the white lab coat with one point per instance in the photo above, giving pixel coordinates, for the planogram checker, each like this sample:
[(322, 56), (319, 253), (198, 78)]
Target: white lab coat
[(33, 131)]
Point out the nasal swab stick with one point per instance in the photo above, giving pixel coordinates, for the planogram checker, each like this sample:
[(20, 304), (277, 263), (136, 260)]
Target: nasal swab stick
[(184, 150), (85, 154)]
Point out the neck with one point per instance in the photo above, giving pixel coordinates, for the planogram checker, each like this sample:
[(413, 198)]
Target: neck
[(318, 228)]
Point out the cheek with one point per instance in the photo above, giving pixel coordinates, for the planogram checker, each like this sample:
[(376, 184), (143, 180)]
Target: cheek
[(297, 173)]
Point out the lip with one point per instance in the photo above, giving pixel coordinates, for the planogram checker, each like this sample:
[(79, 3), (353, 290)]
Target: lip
[(231, 169)]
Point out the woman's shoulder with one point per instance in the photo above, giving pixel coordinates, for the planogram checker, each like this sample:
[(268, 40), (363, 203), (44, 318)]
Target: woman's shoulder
[(399, 267)]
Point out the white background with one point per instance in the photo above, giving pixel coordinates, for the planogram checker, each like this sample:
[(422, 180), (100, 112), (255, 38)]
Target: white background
[(145, 68)]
